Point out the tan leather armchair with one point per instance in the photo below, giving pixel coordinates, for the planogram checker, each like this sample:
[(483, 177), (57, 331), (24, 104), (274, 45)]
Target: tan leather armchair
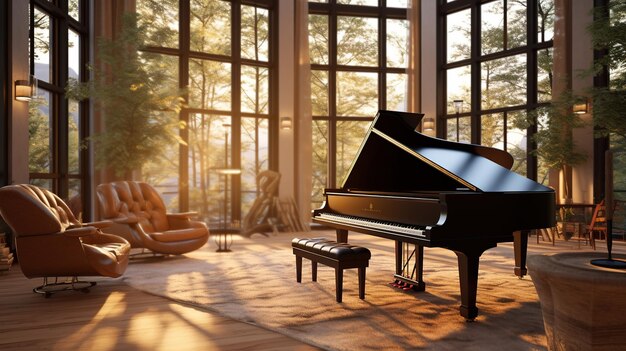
[(140, 217), (50, 242)]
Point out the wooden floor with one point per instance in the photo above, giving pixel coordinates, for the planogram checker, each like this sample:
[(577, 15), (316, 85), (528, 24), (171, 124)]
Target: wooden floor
[(113, 316)]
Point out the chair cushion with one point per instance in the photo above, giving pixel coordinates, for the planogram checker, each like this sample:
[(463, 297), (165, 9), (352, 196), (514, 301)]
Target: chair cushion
[(332, 249), (179, 235)]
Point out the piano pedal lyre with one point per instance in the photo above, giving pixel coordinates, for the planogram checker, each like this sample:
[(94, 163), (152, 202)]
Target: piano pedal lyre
[(409, 267)]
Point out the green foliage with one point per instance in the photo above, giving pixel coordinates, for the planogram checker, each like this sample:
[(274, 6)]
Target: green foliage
[(39, 157), (136, 105), (555, 142)]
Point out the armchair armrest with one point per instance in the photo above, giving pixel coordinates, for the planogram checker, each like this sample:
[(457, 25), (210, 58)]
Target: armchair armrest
[(125, 220), (182, 215), (99, 224), (80, 231)]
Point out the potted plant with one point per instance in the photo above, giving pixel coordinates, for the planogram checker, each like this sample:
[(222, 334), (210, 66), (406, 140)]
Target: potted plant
[(139, 110), (555, 142)]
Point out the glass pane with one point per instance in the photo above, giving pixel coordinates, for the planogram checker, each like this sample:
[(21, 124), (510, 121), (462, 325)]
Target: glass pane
[(73, 8), (464, 129), (209, 144), (350, 135), (210, 84), (545, 20), (492, 130), (357, 94), (396, 91), (492, 27), (210, 27), (320, 162), (359, 2), (255, 33), (397, 43), (163, 67), (318, 39), (254, 89), (618, 145), (73, 134), (516, 24), (40, 141), (543, 168), (459, 29), (357, 41), (159, 19), (42, 183), (544, 75), (43, 46), (254, 157), (458, 84), (503, 82), (73, 55), (162, 172), (397, 3), (516, 142), (319, 93), (74, 200)]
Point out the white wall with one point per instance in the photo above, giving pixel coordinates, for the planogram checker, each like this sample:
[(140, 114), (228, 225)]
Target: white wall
[(286, 103)]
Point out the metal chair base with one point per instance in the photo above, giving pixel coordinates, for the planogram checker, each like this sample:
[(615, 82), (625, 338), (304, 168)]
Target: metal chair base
[(47, 289), (146, 254)]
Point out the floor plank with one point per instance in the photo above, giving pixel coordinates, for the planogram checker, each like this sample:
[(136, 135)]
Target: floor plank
[(113, 316)]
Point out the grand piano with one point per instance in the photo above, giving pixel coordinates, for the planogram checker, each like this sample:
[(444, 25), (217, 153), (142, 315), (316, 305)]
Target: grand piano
[(426, 192)]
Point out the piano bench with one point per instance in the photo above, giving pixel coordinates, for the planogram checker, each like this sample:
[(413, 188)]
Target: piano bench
[(333, 254)]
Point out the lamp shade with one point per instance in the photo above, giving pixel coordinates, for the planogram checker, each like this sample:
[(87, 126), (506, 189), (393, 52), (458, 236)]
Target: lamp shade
[(25, 90), (285, 123), (581, 108)]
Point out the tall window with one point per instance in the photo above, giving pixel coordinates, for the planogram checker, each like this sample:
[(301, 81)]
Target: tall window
[(58, 51), (359, 58), (221, 52), (498, 61)]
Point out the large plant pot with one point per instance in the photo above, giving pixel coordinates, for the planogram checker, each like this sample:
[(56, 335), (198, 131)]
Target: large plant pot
[(583, 306)]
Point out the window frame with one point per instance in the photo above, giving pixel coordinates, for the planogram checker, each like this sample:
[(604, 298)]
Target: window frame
[(333, 10), (185, 54), (530, 50), (61, 23)]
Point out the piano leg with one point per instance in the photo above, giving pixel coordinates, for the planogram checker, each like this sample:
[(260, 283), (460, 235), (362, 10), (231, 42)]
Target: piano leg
[(342, 236), (468, 259), (520, 246)]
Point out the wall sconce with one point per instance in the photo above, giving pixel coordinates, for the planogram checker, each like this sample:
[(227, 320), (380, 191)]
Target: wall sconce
[(580, 108), (25, 90), (285, 123), (428, 126)]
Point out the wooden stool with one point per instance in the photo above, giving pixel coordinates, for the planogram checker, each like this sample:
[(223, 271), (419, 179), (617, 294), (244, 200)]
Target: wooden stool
[(333, 254)]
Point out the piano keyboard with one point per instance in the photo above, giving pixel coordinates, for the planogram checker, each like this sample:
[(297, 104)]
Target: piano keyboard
[(373, 224)]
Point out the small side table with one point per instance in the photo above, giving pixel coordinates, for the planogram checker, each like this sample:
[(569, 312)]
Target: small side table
[(223, 236)]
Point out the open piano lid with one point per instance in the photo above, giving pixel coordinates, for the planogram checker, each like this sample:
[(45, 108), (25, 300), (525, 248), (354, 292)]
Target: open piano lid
[(394, 157)]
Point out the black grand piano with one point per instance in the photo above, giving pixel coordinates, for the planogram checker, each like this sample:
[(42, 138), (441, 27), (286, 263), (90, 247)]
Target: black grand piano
[(428, 192)]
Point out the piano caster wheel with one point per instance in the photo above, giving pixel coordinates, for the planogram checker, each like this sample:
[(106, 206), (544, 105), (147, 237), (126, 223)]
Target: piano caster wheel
[(469, 320)]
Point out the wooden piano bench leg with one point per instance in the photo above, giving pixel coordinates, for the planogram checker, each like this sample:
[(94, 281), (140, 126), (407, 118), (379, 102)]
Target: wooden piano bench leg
[(299, 269), (362, 283), (339, 283), (314, 271)]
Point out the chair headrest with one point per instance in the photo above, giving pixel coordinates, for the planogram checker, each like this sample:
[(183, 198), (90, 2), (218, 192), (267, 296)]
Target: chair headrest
[(30, 210)]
